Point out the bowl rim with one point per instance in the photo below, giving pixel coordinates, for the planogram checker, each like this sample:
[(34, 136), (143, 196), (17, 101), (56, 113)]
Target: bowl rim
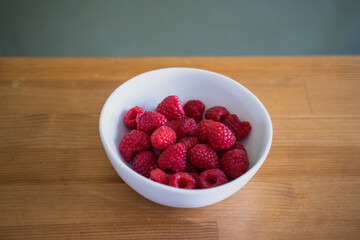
[(139, 177)]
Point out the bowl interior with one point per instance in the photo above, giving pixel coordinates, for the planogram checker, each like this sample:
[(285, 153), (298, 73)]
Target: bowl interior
[(147, 90)]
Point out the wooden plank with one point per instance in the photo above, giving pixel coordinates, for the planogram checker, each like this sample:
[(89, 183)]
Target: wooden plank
[(64, 96), (321, 131), (40, 96), (292, 208), (50, 131), (332, 96), (278, 82), (56, 181), (285, 163), (139, 229), (90, 165), (124, 68), (81, 131), (29, 165)]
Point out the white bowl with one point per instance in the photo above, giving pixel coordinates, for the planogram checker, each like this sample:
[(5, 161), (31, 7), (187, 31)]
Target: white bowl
[(149, 89)]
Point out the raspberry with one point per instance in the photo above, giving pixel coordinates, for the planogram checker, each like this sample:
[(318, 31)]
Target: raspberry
[(220, 136), (203, 157), (162, 138), (130, 117), (171, 108), (194, 109), (212, 178), (240, 129), (190, 168), (188, 127), (203, 128), (148, 121), (245, 129), (133, 142), (234, 163), (159, 176), (174, 124), (182, 180), (217, 113), (237, 145), (174, 158), (189, 142), (144, 162), (195, 175)]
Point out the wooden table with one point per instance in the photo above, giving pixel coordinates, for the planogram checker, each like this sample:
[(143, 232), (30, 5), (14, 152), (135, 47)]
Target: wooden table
[(57, 183)]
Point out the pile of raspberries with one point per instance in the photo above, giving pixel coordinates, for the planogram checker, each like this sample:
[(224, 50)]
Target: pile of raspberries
[(174, 145)]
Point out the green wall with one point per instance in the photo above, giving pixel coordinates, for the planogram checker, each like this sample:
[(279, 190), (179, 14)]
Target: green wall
[(178, 28)]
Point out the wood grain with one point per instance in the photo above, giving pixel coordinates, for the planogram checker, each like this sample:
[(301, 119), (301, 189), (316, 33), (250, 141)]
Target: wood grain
[(57, 183)]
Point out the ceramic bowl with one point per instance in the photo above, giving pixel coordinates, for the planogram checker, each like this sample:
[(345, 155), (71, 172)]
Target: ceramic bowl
[(148, 90)]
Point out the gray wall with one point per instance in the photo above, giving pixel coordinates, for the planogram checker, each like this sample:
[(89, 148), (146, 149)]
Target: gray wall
[(178, 28)]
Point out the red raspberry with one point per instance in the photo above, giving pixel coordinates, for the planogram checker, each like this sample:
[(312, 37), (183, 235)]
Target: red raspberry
[(159, 176), (130, 117), (220, 136), (133, 142), (245, 129), (195, 175), (189, 142), (188, 127), (144, 162), (182, 180), (190, 168), (174, 124), (163, 137), (234, 163), (217, 113), (240, 129), (203, 157), (212, 178), (194, 109), (203, 128), (148, 121), (237, 145), (171, 108), (174, 158)]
